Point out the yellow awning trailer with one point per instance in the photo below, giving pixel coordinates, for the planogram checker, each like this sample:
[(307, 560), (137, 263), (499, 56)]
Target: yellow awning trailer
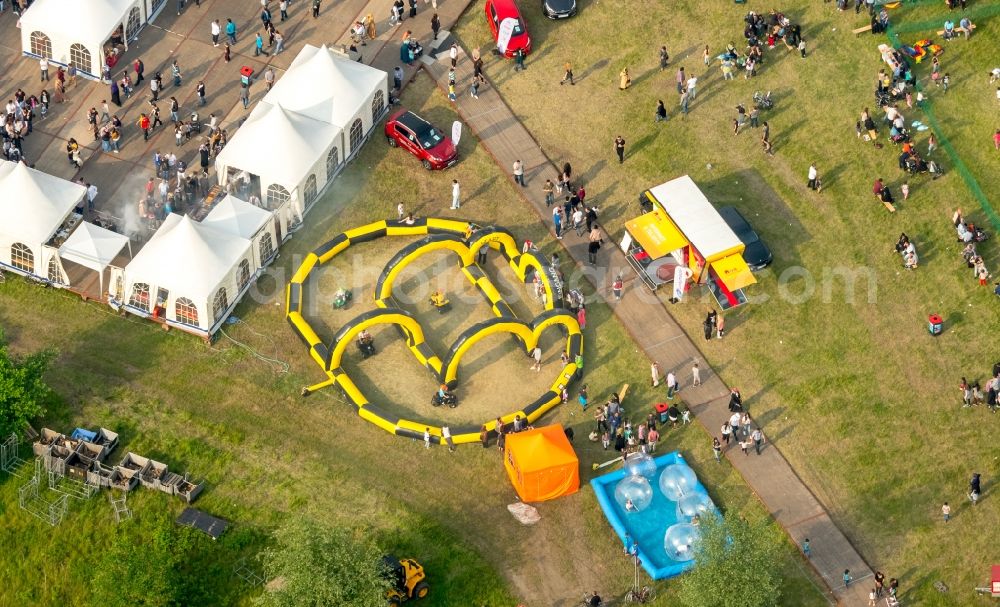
[(684, 226)]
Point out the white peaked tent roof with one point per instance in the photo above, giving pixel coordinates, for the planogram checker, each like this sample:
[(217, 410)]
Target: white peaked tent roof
[(237, 217), (87, 22), (34, 204), (93, 246), (695, 216), (278, 144), (187, 258), (326, 87)]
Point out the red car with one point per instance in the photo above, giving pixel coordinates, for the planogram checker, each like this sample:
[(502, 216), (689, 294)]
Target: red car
[(411, 132), (496, 12)]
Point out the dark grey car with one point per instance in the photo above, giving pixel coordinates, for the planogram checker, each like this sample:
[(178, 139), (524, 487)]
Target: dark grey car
[(756, 253), (559, 9)]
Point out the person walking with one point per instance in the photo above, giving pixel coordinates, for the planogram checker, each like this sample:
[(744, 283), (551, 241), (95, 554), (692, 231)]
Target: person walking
[(200, 90), (813, 177), (519, 172), (154, 88), (175, 71), (557, 221), (427, 438), (316, 9), (594, 245), (567, 74), (681, 80), (624, 80), (258, 48), (717, 449), (456, 192), (435, 25), (664, 58), (847, 578), (143, 124), (806, 548), (279, 41), (692, 82), (269, 78), (536, 358), (231, 31), (453, 55), (139, 68), (616, 287), (283, 9), (620, 149), (974, 488), (245, 96), (758, 439), (43, 67), (695, 374), (661, 112), (946, 512), (216, 30), (727, 431), (685, 100)]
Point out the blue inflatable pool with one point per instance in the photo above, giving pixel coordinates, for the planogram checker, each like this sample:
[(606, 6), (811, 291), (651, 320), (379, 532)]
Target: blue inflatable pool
[(655, 502)]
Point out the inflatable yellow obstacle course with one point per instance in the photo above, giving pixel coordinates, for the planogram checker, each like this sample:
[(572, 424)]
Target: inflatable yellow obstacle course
[(465, 240)]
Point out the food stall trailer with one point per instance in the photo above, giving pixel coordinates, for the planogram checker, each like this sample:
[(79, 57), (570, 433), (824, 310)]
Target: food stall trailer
[(682, 237)]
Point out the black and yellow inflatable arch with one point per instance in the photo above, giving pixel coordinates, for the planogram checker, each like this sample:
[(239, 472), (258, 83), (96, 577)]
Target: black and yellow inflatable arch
[(465, 240)]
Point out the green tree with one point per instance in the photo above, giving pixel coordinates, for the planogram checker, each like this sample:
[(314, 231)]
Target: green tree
[(736, 565), (315, 565), (144, 567), (23, 394)]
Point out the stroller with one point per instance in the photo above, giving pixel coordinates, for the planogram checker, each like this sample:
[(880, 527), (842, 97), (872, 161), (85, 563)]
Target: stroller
[(764, 102), (195, 123)]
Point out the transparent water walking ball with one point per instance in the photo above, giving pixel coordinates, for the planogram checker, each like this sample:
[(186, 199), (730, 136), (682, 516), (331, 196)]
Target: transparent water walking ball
[(693, 504), (679, 541), (640, 464), (678, 480), (633, 493)]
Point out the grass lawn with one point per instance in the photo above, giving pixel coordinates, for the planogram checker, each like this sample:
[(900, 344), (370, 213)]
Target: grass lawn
[(834, 352), (237, 421)]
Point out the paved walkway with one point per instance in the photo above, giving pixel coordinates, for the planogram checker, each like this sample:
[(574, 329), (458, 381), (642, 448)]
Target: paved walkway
[(652, 327)]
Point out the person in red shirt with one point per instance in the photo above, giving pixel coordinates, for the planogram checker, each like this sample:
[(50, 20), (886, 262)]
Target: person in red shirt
[(877, 188), (996, 139), (144, 125)]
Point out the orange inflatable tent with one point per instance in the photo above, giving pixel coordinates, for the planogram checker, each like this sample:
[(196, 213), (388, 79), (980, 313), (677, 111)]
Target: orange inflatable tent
[(541, 464)]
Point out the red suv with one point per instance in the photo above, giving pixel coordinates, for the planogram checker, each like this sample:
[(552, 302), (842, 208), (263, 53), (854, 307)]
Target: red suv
[(411, 132), (496, 12)]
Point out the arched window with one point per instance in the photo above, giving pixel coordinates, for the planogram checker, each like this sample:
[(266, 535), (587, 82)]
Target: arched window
[(140, 296), (41, 45), (220, 304), (276, 196), (243, 274), (186, 312), (332, 161), (22, 258), (54, 271), (266, 247), (357, 132), (310, 189), (79, 57), (133, 24), (378, 105)]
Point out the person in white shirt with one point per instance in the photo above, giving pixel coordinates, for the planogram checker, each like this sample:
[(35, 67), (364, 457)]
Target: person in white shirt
[(453, 54), (43, 66), (91, 195), (813, 176), (995, 75), (691, 82), (216, 31), (578, 221), (456, 192)]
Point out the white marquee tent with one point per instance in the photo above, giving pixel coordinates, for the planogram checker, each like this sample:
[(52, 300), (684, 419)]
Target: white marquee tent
[(284, 149), (76, 33), (240, 218), (33, 206), (94, 247), (314, 118), (188, 274), (328, 87)]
